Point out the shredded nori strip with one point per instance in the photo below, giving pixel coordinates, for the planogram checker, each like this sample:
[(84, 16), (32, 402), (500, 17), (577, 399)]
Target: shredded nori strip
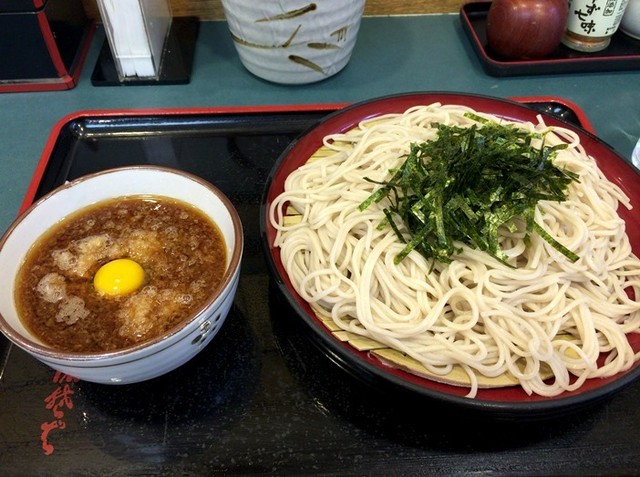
[(466, 184)]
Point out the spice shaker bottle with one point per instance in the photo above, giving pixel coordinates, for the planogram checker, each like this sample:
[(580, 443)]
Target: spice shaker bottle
[(591, 23)]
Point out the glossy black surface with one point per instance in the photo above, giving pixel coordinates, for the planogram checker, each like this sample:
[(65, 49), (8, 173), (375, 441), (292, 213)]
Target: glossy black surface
[(263, 398)]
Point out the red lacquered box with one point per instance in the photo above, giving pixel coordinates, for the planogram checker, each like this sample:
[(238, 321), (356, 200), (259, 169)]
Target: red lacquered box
[(43, 44)]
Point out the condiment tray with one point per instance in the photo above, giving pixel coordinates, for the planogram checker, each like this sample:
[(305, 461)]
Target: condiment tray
[(622, 54)]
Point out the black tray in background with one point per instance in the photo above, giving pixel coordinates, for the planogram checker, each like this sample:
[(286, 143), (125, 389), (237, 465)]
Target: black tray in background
[(622, 54), (262, 398)]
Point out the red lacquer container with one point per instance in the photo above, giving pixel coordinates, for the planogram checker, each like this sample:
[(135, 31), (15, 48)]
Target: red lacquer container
[(43, 44)]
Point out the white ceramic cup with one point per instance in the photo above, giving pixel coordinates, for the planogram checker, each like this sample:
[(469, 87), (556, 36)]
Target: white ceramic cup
[(294, 42)]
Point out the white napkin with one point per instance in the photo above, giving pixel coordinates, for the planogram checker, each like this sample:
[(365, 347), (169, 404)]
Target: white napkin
[(136, 30)]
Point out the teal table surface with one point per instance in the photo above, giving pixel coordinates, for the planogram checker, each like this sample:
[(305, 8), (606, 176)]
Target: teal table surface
[(392, 55)]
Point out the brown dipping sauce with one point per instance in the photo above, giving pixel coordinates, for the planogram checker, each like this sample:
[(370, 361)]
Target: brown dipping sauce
[(182, 252)]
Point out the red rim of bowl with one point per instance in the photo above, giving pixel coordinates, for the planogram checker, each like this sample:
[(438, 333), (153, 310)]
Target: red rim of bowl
[(512, 399), (234, 263)]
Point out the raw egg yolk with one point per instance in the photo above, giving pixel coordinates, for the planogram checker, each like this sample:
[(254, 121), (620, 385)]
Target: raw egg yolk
[(119, 277)]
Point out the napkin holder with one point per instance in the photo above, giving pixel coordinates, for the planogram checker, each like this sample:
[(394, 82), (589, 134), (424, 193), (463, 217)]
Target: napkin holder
[(145, 45)]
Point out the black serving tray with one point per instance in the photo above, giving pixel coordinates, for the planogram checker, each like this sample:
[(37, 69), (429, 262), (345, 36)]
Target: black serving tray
[(622, 54), (263, 398)]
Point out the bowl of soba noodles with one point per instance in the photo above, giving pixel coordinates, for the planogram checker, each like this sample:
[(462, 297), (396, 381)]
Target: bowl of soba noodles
[(122, 275), (463, 247)]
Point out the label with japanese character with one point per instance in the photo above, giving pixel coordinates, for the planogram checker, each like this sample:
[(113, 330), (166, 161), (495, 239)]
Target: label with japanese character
[(595, 18), (57, 402)]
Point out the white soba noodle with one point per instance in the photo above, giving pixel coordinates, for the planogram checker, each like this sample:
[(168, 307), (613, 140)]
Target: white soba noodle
[(545, 314)]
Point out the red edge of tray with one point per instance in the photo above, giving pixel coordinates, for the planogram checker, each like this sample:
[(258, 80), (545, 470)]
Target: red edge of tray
[(60, 124), (328, 107)]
